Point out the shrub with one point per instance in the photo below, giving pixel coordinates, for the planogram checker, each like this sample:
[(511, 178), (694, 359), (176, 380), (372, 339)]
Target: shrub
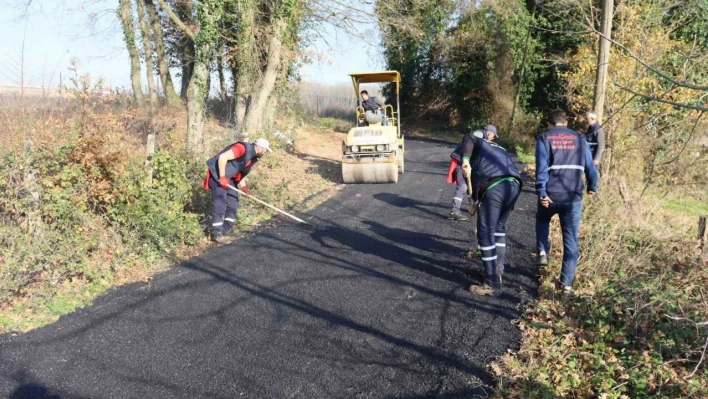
[(155, 212)]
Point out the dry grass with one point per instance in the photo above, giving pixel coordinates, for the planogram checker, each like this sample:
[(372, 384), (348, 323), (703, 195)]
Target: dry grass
[(633, 329)]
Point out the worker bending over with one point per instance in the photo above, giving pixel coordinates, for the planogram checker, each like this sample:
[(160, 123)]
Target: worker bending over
[(454, 172), (230, 167), (562, 156), (496, 186)]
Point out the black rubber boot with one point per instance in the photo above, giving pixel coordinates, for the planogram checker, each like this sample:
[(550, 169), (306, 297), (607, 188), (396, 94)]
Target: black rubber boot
[(457, 216), (486, 290), (219, 238)]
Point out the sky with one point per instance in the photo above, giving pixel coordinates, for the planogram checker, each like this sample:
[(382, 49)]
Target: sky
[(55, 31)]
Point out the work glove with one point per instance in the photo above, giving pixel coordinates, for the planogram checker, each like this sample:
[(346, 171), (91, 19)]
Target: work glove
[(224, 182), (466, 168), (245, 190)]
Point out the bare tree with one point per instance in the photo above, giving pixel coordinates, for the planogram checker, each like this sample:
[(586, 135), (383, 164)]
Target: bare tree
[(222, 78), (206, 36), (147, 49), (125, 15), (162, 64), (253, 120), (185, 12)]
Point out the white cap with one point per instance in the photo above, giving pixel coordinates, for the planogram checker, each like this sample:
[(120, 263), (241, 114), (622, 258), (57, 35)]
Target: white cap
[(478, 133), (263, 143)]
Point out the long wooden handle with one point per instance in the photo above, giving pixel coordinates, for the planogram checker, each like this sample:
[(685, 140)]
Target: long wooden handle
[(268, 205)]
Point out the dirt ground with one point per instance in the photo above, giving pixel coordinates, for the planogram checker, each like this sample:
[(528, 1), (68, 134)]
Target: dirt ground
[(322, 148)]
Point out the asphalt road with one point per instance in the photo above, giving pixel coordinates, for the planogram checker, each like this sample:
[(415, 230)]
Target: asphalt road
[(371, 304)]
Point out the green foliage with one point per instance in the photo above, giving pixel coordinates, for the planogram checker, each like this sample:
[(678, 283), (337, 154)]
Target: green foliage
[(70, 230), (412, 33), (155, 213), (691, 20), (525, 157), (549, 61), (461, 67)]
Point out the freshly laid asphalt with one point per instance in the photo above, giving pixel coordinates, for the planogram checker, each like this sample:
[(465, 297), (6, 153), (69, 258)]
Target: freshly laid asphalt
[(372, 303)]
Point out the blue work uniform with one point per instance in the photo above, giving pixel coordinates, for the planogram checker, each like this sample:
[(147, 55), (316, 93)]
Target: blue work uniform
[(225, 202), (496, 185), (562, 157)]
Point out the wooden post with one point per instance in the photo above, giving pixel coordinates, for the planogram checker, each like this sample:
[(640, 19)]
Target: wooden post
[(603, 59), (34, 216), (703, 234), (148, 161)]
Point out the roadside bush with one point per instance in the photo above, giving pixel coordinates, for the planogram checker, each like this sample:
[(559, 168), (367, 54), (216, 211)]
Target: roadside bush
[(49, 227), (154, 214)]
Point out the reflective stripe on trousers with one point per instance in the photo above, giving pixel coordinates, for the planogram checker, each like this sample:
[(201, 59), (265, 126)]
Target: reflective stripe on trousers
[(491, 228), (224, 204)]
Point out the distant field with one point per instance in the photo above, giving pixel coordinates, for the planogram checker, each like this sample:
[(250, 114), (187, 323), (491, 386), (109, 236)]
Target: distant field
[(35, 91), (28, 91)]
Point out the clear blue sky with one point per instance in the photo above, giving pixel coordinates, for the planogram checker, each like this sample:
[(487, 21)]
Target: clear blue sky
[(55, 32)]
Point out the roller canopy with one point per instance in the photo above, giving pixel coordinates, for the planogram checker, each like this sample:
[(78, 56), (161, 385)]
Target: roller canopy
[(376, 77)]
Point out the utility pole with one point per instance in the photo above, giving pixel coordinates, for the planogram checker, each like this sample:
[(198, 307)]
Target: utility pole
[(603, 59)]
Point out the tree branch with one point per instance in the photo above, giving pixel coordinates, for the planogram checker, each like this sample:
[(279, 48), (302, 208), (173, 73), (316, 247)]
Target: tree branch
[(661, 100), (184, 28), (651, 68), (703, 355)]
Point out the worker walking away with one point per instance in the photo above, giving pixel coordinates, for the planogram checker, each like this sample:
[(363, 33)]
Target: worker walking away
[(230, 167), (496, 186), (455, 176), (595, 137), (562, 156)]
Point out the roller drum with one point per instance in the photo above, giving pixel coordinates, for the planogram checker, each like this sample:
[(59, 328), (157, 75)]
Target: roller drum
[(370, 172)]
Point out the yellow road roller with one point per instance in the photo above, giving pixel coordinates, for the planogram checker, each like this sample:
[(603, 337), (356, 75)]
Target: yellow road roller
[(373, 151)]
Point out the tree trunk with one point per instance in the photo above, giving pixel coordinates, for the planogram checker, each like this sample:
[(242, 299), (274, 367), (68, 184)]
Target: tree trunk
[(162, 64), (603, 60), (246, 69), (126, 17), (209, 15), (243, 100), (147, 47), (195, 106), (207, 87), (222, 79), (185, 9), (253, 121)]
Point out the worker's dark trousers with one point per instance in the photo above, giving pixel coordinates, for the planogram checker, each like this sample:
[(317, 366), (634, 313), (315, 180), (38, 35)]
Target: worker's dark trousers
[(224, 204), (461, 191), (569, 214), (494, 210)]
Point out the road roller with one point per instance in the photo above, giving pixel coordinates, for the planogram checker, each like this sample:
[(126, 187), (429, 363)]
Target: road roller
[(373, 151)]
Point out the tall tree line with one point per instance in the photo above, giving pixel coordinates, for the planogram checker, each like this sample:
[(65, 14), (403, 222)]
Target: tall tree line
[(252, 42), (468, 62)]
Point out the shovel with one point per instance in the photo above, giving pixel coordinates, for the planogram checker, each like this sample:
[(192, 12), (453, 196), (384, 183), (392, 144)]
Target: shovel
[(475, 204), (295, 218)]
